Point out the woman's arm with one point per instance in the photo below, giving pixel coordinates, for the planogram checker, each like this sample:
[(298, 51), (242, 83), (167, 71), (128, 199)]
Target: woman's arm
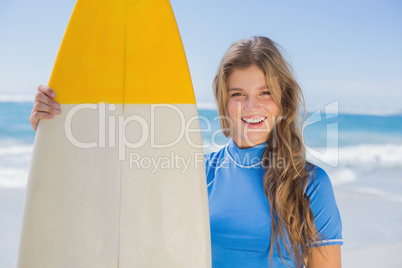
[(325, 257), (44, 106)]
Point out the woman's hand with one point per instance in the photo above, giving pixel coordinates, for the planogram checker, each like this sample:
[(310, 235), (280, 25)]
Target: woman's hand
[(44, 107)]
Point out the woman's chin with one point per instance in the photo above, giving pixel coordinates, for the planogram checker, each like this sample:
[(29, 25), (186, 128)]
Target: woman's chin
[(250, 141)]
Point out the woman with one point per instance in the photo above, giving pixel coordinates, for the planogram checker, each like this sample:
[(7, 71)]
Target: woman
[(268, 206)]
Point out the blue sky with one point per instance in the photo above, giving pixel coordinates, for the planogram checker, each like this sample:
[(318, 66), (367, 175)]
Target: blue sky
[(345, 51)]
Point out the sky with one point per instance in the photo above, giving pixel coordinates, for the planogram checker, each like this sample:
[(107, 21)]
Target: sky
[(343, 52)]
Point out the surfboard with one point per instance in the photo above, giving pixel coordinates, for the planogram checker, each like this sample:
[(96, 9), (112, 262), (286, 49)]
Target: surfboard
[(117, 179)]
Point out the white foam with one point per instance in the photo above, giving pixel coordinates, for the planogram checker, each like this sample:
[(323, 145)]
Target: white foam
[(17, 98), (14, 165), (377, 192), (16, 150), (376, 156), (13, 178), (206, 105), (342, 176)]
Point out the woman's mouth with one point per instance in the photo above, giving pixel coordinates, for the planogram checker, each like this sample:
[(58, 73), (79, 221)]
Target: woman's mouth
[(253, 121)]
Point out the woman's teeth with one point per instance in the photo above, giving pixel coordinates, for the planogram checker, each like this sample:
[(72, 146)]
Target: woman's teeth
[(254, 120)]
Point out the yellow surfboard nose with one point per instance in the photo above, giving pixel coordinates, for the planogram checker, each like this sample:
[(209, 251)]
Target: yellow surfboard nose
[(126, 52)]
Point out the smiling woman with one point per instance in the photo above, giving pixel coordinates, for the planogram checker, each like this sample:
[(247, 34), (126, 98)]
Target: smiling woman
[(268, 205)]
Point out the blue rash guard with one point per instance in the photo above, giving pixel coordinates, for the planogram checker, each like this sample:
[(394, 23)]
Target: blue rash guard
[(240, 214)]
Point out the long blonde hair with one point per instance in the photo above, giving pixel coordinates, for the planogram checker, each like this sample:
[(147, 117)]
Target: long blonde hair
[(284, 185)]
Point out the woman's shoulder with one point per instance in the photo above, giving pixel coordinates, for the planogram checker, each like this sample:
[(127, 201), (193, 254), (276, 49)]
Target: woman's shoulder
[(215, 159), (212, 161), (323, 205), (319, 180)]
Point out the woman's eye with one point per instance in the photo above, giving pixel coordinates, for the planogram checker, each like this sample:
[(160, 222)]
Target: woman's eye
[(236, 94), (266, 93)]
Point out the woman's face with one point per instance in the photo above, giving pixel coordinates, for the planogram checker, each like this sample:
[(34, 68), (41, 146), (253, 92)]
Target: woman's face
[(251, 107)]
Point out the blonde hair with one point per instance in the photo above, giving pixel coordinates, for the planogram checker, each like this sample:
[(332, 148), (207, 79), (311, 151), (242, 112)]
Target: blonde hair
[(284, 185)]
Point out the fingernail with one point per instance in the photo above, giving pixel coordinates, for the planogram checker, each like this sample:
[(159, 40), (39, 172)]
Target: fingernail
[(56, 105), (53, 95), (50, 116), (58, 111)]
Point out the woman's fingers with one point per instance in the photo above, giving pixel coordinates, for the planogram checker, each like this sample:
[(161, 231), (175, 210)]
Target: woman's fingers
[(47, 91), (41, 107), (46, 95), (42, 100), (44, 106)]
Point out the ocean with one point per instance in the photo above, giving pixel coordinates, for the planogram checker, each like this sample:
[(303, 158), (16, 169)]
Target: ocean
[(361, 153)]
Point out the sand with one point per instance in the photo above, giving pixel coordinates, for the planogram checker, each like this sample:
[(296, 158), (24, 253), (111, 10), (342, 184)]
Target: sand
[(384, 256), (11, 208)]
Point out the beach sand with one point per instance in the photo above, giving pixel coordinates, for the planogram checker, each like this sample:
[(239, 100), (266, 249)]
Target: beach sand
[(382, 256), (371, 211), (11, 210), (371, 215)]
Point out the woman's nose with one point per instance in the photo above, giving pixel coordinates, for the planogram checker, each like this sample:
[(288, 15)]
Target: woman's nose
[(251, 103)]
